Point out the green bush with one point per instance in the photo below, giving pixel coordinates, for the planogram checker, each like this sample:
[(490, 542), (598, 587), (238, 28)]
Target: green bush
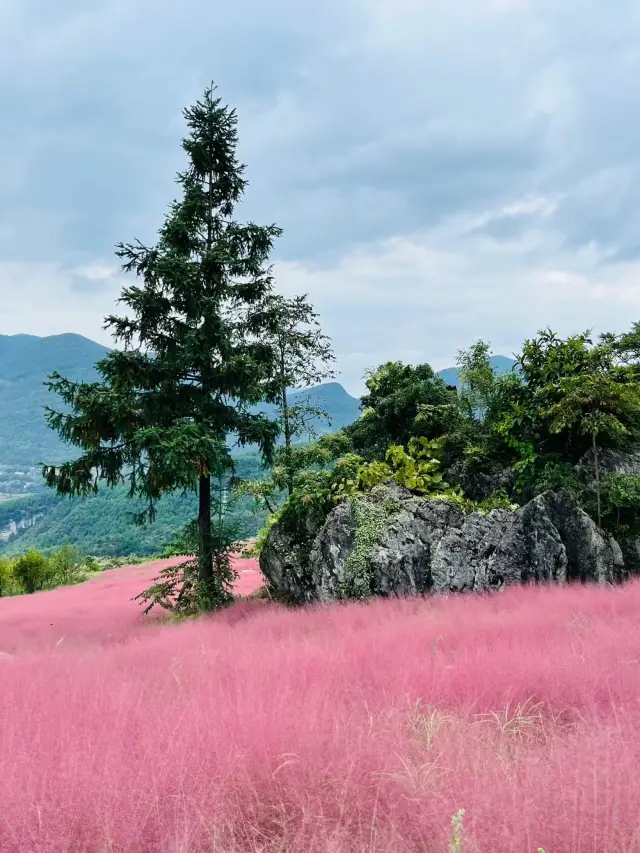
[(67, 565), (7, 577), (91, 564), (34, 571)]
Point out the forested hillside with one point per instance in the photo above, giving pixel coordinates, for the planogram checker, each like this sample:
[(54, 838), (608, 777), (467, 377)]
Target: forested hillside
[(103, 524), (25, 363)]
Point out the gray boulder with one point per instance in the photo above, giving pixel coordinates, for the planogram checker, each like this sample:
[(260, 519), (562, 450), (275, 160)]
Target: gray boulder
[(394, 559), (284, 563), (392, 543)]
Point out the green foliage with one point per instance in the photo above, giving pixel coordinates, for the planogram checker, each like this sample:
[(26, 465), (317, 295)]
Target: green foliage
[(596, 404), (371, 522), (194, 361), (7, 577), (621, 504), (415, 469), (498, 499), (292, 467), (67, 565), (402, 402), (477, 379), (568, 396), (34, 571)]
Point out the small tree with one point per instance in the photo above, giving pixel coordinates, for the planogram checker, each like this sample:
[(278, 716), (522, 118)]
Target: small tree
[(303, 357), (33, 571), (595, 403), (477, 379), (193, 363), (67, 565), (7, 577)]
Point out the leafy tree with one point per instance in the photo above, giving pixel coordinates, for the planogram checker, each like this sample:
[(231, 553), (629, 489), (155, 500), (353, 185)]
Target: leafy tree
[(596, 403), (67, 565), (625, 347), (477, 379), (7, 578), (543, 419), (402, 402), (33, 571), (193, 363), (303, 355)]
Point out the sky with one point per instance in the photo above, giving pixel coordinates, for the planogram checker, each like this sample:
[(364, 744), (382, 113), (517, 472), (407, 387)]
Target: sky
[(442, 170)]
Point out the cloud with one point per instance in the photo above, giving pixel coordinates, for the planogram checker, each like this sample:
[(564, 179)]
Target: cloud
[(442, 170), (424, 296), (51, 299)]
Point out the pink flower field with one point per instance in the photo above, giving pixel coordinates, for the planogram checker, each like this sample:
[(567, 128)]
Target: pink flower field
[(343, 729)]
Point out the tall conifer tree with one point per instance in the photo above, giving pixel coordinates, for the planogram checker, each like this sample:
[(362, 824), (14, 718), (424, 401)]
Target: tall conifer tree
[(193, 361)]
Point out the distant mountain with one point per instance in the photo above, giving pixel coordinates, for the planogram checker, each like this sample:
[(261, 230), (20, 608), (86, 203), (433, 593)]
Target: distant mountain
[(342, 408), (27, 360), (500, 363), (25, 363)]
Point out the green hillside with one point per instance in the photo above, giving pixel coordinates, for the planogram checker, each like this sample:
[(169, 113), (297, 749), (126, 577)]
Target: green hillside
[(102, 524), (25, 363)]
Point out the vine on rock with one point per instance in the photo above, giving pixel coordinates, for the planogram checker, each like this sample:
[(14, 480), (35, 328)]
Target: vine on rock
[(371, 523)]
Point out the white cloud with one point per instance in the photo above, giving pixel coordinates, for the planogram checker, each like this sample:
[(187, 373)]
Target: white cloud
[(44, 299)]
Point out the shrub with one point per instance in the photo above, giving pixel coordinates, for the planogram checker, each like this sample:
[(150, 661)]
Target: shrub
[(92, 565), (34, 571), (7, 578), (67, 566)]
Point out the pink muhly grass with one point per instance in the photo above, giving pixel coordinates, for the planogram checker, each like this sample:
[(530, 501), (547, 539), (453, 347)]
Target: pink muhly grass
[(343, 729)]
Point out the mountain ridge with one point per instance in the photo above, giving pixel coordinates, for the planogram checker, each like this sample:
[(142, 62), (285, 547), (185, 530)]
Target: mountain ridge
[(27, 360)]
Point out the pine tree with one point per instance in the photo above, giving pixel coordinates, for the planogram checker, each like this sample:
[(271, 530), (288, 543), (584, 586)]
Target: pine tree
[(193, 361)]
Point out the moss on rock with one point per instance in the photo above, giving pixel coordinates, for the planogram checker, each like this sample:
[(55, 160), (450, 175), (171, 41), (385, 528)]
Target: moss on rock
[(372, 515)]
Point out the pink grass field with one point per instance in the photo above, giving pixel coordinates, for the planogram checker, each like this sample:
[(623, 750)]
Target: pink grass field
[(343, 729)]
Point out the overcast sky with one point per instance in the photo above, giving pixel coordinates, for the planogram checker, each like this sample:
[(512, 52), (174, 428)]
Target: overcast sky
[(443, 170)]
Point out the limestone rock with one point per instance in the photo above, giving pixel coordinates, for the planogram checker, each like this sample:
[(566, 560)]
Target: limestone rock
[(283, 563), (429, 545)]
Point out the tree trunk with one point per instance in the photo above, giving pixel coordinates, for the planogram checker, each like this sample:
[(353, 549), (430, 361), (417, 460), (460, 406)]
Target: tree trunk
[(596, 470), (205, 557)]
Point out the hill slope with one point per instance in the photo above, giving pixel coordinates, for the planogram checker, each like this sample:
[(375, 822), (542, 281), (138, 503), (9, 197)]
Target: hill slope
[(25, 363)]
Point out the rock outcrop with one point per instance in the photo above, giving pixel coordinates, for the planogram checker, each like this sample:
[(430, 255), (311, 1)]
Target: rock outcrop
[(390, 542)]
